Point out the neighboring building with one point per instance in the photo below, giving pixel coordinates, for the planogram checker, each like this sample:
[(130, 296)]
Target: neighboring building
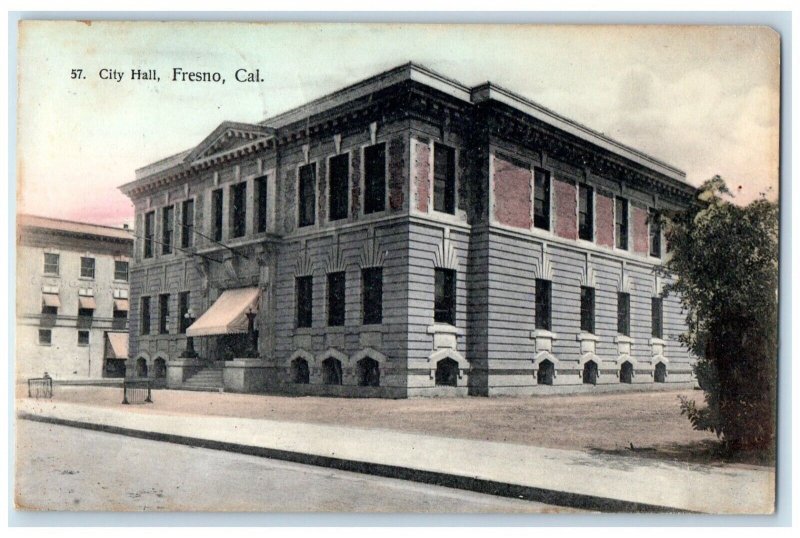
[(72, 299), (406, 236)]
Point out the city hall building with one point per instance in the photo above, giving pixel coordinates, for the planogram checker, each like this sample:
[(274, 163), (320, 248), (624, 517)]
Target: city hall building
[(406, 236)]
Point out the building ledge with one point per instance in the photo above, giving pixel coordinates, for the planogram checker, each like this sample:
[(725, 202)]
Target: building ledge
[(587, 336), (544, 333), (622, 339), (444, 328)]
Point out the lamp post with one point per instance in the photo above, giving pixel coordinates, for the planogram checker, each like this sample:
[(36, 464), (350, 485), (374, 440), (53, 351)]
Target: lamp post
[(189, 352), (252, 348)]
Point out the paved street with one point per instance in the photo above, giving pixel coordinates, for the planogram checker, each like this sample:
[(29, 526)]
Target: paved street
[(62, 468)]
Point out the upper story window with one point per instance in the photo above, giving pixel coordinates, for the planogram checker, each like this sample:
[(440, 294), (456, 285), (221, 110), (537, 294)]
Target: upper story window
[(372, 295), (339, 182), (238, 209), (587, 309), (149, 233), (336, 298), (586, 212), (51, 263), (304, 300), (163, 313), (144, 316), (543, 304), (87, 267), (621, 223), (167, 229), (624, 313), (261, 204), (657, 317), (120, 270), (187, 225), (444, 305), (307, 195), (444, 179), (216, 214), (541, 199), (374, 178), (655, 233)]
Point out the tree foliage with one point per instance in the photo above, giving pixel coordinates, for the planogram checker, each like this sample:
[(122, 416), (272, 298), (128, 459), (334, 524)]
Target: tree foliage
[(725, 260)]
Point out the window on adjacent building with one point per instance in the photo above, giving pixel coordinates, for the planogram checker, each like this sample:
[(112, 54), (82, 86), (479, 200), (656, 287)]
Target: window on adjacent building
[(183, 308), (655, 233), (261, 204), (444, 305), (45, 337), (238, 209), (338, 189), (541, 199), (621, 223), (657, 316), (83, 338), (163, 313), (624, 313), (167, 229), (372, 295), (216, 214), (120, 270), (87, 267), (543, 304), (307, 195), (374, 178), (51, 263), (304, 299), (336, 291), (587, 309), (444, 179), (187, 224), (144, 316), (149, 233), (585, 212)]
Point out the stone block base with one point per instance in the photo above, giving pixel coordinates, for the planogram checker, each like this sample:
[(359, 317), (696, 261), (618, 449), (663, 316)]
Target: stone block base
[(180, 369), (245, 375)]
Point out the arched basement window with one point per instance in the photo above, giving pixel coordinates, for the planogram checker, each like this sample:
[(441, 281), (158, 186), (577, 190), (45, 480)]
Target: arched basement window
[(300, 371), (160, 368), (546, 373), (447, 373), (331, 371), (660, 375), (590, 373), (141, 367), (369, 373), (626, 373)]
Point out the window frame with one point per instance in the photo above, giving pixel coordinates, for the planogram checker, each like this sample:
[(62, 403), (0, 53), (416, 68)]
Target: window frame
[(261, 202), (371, 299), (302, 218), (149, 234), (49, 333), (127, 270), (586, 230), (588, 305), (657, 321), (94, 267), (167, 230), (654, 233), (163, 313), (184, 304), (544, 221), (450, 189), (623, 314), (238, 226), (445, 298), (336, 298), (88, 338), (365, 210), (304, 309), (344, 157), (187, 225), (622, 241), (543, 313), (145, 321), (57, 264), (217, 214)]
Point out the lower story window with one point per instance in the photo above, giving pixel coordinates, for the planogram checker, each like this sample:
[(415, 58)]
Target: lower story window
[(83, 338), (45, 337), (444, 308)]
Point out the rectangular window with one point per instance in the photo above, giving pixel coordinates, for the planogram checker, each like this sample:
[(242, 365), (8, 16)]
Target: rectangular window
[(120, 321), (339, 182), (543, 304), (304, 296), (655, 233), (45, 337), (144, 316), (336, 291), (374, 178), (163, 313), (541, 199), (372, 295), (216, 214), (621, 223), (121, 270), (444, 304), (238, 209), (83, 338), (307, 195), (87, 267), (149, 232), (85, 317), (657, 312), (586, 212), (183, 308), (51, 263), (624, 314), (587, 309), (261, 204), (167, 229), (49, 310), (444, 179), (187, 224)]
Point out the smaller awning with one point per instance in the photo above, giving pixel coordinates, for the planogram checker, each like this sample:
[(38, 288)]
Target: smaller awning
[(121, 305), (227, 314), (51, 299), (117, 347), (87, 302)]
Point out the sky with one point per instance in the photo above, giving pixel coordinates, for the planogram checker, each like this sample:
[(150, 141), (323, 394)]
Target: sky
[(702, 98)]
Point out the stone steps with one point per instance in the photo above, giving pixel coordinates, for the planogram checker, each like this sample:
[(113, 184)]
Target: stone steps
[(208, 379)]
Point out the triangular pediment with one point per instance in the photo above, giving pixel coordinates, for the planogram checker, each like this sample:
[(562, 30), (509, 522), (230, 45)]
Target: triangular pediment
[(229, 135)]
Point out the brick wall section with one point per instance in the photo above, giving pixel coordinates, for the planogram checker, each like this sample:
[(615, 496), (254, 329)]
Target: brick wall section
[(422, 169), (566, 218), (512, 194), (604, 220), (397, 164), (355, 185), (640, 235)]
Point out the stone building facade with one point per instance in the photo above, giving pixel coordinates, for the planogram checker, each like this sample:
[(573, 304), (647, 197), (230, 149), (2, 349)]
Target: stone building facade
[(406, 236), (72, 299)]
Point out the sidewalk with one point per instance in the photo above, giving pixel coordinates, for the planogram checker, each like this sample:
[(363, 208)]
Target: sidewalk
[(555, 476)]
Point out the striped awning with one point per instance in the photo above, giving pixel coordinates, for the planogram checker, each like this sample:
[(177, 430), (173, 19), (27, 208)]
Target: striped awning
[(227, 314)]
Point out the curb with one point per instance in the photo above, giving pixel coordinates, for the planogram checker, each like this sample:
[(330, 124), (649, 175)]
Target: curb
[(490, 487)]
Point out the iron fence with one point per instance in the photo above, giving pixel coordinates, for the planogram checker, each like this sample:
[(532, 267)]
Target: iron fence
[(40, 387), (136, 392)]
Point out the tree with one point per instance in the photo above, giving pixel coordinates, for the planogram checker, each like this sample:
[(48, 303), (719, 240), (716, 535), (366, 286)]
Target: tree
[(724, 258)]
